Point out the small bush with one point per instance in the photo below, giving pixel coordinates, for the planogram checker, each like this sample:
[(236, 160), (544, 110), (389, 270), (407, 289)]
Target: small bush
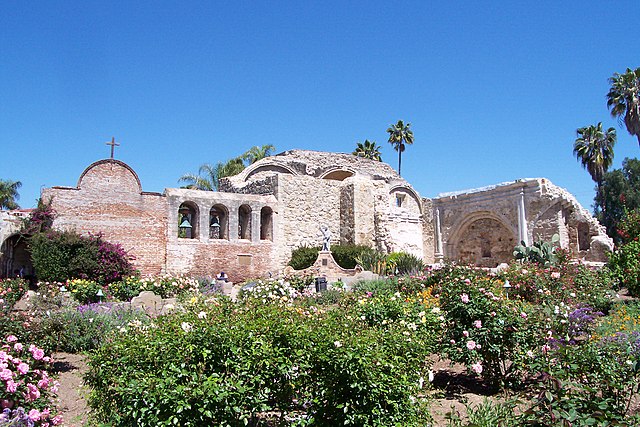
[(345, 255), (11, 290), (624, 265), (303, 257), (86, 327)]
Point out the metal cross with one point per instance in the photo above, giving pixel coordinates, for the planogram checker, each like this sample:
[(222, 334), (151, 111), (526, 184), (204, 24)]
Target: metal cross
[(113, 144)]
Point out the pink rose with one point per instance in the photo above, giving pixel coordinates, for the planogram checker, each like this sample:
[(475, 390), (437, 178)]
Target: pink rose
[(471, 345), (17, 346), (467, 281), (477, 368), (6, 374), (34, 415), (12, 386), (478, 324), (12, 338), (464, 298), (38, 354), (466, 334), (23, 368), (33, 392), (57, 420), (523, 315)]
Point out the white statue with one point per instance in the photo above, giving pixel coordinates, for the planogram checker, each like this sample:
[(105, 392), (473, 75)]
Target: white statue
[(326, 237)]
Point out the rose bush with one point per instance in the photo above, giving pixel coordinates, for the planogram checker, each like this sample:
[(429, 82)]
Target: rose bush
[(25, 384)]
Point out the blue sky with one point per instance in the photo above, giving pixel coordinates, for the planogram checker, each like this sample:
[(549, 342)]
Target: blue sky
[(494, 90)]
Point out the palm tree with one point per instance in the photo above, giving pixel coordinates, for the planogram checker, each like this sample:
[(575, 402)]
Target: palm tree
[(594, 149), (368, 150), (205, 179), (9, 194), (257, 153), (208, 176), (623, 99), (399, 135)]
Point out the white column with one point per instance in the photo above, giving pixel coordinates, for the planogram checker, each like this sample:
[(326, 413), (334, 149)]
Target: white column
[(439, 255), (523, 232)]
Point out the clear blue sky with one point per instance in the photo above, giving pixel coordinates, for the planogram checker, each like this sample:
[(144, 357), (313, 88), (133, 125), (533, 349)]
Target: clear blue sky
[(494, 90)]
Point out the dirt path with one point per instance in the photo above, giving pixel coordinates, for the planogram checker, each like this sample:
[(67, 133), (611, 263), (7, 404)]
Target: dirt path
[(72, 393)]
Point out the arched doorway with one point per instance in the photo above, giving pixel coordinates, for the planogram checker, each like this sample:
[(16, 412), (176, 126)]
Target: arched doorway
[(15, 258)]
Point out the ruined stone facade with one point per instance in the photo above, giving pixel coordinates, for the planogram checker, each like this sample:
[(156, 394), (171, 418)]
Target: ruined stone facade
[(250, 226)]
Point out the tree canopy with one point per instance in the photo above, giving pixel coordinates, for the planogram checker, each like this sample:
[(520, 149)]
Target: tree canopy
[(618, 194), (368, 150), (594, 149), (399, 135), (9, 194), (623, 99)]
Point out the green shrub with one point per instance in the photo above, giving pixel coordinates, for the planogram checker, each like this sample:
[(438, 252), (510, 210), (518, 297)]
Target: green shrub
[(85, 327), (234, 365), (303, 257), (345, 255), (624, 265), (61, 255), (588, 384), (372, 260)]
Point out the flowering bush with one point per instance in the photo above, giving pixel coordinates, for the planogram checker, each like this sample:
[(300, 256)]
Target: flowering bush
[(271, 290), (26, 384), (62, 255), (11, 290), (168, 286), (492, 335)]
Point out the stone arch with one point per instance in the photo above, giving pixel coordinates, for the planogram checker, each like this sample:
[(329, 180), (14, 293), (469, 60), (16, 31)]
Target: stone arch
[(188, 220), (482, 239), (397, 191), (337, 174), (219, 222), (269, 167), (266, 223), (98, 172), (15, 258), (244, 222)]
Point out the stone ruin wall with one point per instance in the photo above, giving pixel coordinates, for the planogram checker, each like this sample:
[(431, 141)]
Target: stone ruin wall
[(482, 226), (305, 204), (108, 199)]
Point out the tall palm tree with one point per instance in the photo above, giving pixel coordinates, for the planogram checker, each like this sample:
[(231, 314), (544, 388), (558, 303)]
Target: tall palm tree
[(594, 149), (257, 153), (9, 194), (399, 135), (623, 99), (368, 150)]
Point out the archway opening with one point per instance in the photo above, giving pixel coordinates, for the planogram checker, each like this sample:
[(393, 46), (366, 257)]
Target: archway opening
[(266, 223), (188, 221), (485, 242), (244, 222), (218, 222)]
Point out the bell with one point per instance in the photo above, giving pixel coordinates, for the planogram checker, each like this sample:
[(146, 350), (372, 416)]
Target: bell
[(185, 223)]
